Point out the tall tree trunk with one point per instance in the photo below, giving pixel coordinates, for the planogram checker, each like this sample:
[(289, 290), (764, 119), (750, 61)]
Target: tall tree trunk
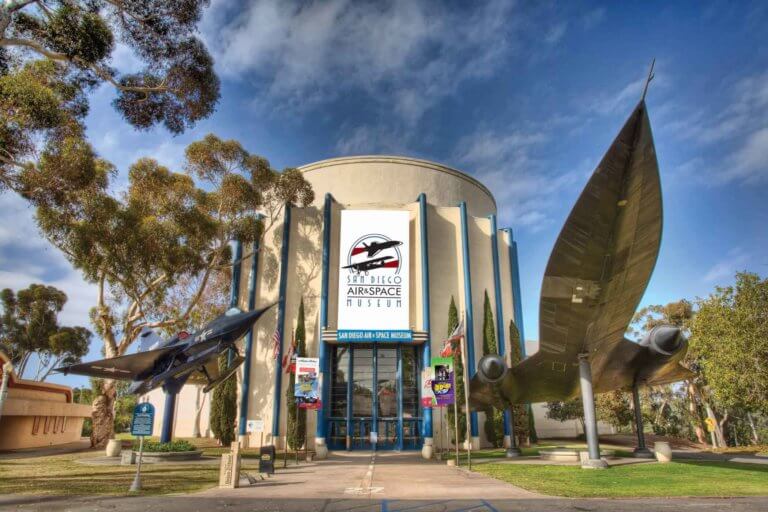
[(199, 403), (698, 426), (103, 415), (755, 436), (717, 437)]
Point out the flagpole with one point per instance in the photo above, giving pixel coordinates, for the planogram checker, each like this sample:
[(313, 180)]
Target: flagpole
[(463, 348), (456, 429)]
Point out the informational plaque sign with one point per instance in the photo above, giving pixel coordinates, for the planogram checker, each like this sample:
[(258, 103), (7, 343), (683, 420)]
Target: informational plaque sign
[(374, 276), (143, 419), (252, 426)]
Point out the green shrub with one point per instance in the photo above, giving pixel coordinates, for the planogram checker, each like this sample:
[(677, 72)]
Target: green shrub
[(178, 445)]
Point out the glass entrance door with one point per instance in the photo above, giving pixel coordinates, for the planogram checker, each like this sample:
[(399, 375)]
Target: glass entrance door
[(374, 397)]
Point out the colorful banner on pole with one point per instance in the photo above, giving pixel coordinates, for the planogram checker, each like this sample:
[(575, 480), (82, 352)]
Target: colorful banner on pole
[(306, 390), (438, 384), (443, 383)]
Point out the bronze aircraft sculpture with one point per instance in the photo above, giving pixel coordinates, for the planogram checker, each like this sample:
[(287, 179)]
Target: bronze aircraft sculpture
[(595, 278)]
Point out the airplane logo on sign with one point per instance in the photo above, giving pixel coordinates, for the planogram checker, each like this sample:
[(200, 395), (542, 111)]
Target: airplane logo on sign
[(360, 258)]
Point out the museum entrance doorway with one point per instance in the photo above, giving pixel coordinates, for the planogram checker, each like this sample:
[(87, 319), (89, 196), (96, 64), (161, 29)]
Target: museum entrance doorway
[(374, 397)]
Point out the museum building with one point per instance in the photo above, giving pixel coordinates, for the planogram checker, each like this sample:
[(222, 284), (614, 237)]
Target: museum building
[(388, 242)]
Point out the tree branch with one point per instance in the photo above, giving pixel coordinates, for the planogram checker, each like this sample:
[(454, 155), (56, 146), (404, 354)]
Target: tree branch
[(100, 71)]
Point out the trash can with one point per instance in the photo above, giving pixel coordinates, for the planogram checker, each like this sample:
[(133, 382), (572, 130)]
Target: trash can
[(267, 459)]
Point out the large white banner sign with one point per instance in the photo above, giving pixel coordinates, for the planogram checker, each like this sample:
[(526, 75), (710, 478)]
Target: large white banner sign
[(374, 276)]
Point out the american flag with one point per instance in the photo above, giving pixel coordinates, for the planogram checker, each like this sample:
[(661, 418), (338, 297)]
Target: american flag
[(288, 358), (450, 343), (276, 344)]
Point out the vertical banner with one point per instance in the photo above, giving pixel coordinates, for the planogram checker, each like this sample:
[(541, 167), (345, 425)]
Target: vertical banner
[(374, 276), (427, 394), (306, 390), (443, 381)]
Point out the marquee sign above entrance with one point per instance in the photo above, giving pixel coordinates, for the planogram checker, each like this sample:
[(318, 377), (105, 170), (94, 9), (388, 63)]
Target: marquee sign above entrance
[(374, 276)]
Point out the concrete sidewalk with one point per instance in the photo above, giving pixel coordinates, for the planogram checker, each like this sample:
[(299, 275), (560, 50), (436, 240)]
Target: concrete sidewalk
[(364, 482), (380, 476)]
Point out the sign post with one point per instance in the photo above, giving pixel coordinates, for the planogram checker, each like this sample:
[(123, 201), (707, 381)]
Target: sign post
[(141, 425)]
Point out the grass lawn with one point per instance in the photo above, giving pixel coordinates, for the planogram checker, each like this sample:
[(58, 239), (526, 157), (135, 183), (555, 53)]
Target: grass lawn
[(687, 478), (62, 475), (500, 453)]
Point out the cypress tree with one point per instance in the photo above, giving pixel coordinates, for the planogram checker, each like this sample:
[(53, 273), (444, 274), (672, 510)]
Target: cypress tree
[(494, 420), (458, 375), (523, 419), (297, 418), (224, 406)]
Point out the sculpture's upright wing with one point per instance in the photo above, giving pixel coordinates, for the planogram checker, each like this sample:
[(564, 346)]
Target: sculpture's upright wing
[(597, 272)]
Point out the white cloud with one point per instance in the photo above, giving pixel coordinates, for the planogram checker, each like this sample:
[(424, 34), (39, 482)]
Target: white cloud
[(556, 33), (405, 54), (593, 18), (734, 138), (735, 260), (514, 167), (40, 263), (750, 161)]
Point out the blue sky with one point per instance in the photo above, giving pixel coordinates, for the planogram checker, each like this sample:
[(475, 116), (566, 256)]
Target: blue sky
[(524, 96)]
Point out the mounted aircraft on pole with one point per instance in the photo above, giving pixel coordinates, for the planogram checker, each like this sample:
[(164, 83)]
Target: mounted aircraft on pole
[(173, 362), (597, 273)]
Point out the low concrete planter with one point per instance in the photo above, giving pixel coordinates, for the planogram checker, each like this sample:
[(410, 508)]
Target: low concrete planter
[(663, 451), (560, 455), (153, 457)]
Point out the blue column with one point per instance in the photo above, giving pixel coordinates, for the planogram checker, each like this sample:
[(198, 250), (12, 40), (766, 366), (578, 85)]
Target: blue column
[(375, 412), (281, 319), (234, 292), (499, 308), (246, 387), (469, 326), (171, 387), (350, 373), (323, 351), (399, 445), (427, 349), (517, 311), (514, 271)]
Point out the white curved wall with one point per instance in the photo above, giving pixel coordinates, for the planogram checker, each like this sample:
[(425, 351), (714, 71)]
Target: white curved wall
[(391, 180)]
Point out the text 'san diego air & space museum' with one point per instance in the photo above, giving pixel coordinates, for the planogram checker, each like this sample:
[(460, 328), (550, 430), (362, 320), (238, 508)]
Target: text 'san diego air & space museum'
[(377, 258)]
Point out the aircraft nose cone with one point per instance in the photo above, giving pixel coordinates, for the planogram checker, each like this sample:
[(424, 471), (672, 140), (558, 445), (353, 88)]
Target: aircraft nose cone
[(667, 338), (491, 368)]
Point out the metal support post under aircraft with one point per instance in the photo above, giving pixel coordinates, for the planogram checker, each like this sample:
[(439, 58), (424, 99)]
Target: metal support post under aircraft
[(513, 450), (590, 418), (641, 452)]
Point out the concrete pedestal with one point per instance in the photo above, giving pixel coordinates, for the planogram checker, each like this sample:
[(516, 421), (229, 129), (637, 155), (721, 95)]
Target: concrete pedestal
[(321, 450), (642, 453), (114, 447), (427, 449)]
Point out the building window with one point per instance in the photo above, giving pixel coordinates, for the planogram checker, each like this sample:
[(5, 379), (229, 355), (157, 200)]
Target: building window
[(36, 425)]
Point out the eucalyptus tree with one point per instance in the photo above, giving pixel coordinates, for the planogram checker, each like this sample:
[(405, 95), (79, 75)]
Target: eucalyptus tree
[(53, 53), (29, 327), (166, 228), (730, 337)]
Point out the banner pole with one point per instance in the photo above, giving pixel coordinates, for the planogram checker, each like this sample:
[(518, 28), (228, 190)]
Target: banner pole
[(466, 402)]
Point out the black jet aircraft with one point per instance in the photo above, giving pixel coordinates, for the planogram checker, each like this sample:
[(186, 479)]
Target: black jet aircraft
[(178, 358), (597, 273), (368, 265), (376, 247)]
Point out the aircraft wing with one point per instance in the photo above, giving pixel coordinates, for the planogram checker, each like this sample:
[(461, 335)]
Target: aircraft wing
[(128, 367), (604, 256), (596, 276)]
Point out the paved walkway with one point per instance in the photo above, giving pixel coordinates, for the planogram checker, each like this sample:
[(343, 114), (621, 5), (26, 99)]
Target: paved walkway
[(386, 482), (378, 476)]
